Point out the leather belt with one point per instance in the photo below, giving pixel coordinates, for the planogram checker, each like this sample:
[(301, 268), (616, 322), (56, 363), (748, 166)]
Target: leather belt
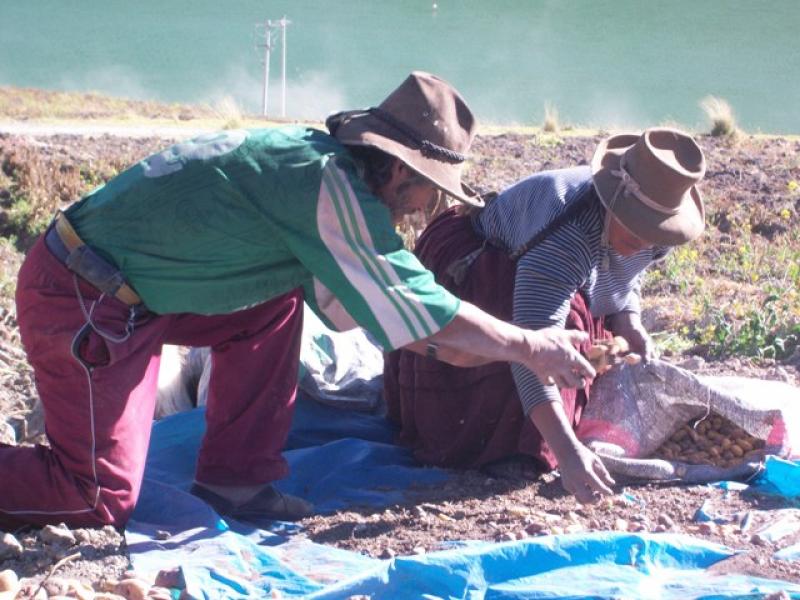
[(67, 246)]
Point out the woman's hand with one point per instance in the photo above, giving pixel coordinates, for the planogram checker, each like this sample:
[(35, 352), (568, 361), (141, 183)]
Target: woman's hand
[(629, 326), (583, 474)]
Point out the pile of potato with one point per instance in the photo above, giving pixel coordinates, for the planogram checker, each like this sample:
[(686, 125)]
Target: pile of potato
[(605, 354), (713, 440)]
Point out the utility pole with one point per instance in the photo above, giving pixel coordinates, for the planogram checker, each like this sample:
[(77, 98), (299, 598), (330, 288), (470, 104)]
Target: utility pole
[(267, 45), (284, 22), (268, 41)]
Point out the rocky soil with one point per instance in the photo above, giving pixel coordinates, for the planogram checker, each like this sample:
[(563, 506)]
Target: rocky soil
[(746, 183)]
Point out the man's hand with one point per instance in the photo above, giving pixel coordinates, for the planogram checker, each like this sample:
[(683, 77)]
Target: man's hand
[(554, 359), (629, 326), (583, 474)]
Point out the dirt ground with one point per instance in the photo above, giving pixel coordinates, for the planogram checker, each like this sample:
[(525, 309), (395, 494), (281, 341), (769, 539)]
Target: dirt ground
[(471, 505)]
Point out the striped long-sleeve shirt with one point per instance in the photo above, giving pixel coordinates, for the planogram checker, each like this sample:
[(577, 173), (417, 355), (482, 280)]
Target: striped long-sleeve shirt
[(565, 261)]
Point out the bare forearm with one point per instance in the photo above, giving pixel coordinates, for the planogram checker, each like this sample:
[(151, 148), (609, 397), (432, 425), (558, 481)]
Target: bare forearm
[(474, 337), (552, 422)]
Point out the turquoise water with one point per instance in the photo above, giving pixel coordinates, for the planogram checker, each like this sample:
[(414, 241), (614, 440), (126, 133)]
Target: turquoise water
[(623, 63)]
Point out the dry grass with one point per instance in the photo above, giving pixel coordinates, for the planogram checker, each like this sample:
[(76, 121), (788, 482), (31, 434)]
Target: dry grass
[(25, 103), (720, 113), (550, 123)]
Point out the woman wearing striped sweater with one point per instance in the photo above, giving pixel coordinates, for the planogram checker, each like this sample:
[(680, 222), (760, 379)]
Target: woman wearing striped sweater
[(567, 248)]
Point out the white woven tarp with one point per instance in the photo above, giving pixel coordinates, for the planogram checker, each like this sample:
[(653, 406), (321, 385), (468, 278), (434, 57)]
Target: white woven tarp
[(342, 369), (637, 407)]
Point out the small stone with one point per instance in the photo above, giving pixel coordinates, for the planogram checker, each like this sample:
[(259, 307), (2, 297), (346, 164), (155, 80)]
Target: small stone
[(782, 595), (419, 512), (9, 582), (574, 528), (728, 530), (419, 550), (162, 535), (170, 578), (507, 537), (9, 546), (660, 528), (388, 553), (57, 534), (56, 587), (132, 589), (106, 585), (79, 590), (594, 524), (110, 530), (665, 520), (757, 540), (521, 534), (556, 530), (783, 375), (707, 528), (693, 363), (535, 528), (7, 434), (159, 593), (620, 524), (552, 517), (82, 536), (445, 518)]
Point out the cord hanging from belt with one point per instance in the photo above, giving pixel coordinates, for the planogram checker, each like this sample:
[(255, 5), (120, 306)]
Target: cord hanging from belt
[(87, 313)]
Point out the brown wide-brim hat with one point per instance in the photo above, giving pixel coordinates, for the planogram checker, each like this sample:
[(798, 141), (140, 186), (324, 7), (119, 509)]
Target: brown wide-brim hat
[(425, 123), (648, 182)]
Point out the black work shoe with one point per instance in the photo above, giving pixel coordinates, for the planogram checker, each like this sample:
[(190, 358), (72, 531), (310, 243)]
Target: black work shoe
[(269, 504)]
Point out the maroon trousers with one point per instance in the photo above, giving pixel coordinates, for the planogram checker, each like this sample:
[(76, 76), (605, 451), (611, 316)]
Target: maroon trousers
[(98, 388), (469, 417)]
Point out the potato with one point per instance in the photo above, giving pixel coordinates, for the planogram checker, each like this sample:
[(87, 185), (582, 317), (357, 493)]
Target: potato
[(713, 440), (737, 451), (622, 345), (679, 435), (595, 352)]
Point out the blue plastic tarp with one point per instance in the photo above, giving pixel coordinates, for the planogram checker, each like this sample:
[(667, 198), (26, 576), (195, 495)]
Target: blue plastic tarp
[(596, 565), (342, 459), (781, 477)]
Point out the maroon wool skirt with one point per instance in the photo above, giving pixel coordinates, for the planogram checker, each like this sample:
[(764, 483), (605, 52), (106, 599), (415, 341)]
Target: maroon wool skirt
[(469, 417)]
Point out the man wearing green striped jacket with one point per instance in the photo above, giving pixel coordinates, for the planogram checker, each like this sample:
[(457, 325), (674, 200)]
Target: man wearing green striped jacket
[(216, 242)]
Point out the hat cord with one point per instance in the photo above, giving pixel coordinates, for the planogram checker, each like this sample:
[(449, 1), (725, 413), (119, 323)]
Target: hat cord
[(427, 147), (631, 186)]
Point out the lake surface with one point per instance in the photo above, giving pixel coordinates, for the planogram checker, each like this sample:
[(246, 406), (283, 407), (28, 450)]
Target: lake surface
[(622, 63)]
